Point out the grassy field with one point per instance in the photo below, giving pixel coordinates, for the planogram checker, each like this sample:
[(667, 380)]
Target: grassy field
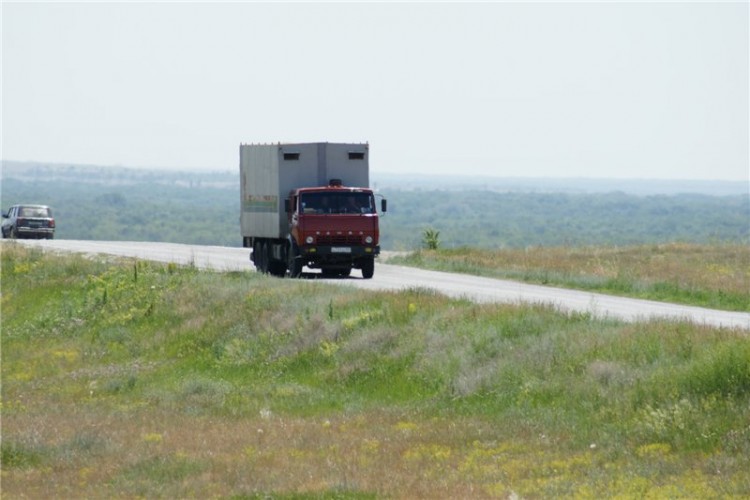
[(713, 276), (124, 379)]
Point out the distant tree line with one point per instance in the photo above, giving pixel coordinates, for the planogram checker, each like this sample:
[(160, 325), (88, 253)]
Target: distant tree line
[(135, 212), (496, 220), (207, 212)]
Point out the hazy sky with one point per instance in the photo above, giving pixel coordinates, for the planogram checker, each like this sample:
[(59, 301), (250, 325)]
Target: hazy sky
[(593, 89)]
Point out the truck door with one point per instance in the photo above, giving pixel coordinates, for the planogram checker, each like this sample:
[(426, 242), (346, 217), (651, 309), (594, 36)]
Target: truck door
[(293, 215)]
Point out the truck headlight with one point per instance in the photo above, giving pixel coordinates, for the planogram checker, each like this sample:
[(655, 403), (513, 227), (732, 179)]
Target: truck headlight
[(368, 239), (309, 240)]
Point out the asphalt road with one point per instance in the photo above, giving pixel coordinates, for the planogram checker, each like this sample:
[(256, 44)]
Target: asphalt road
[(391, 277)]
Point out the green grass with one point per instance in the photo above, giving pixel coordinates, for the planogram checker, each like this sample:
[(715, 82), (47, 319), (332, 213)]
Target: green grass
[(125, 378), (713, 276)]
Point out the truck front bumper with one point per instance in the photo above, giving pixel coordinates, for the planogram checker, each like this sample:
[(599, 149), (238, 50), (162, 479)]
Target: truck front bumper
[(338, 253)]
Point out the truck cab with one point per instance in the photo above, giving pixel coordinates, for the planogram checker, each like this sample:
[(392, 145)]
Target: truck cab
[(333, 228)]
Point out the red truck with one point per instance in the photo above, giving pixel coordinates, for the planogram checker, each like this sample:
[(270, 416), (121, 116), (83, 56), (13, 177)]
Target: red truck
[(309, 205)]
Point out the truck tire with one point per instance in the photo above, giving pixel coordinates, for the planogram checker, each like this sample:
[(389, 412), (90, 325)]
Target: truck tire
[(255, 256), (328, 272), (295, 262), (368, 267), (276, 268), (263, 258)]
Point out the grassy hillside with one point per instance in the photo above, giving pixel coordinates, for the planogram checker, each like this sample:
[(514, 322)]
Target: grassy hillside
[(134, 379), (713, 276)]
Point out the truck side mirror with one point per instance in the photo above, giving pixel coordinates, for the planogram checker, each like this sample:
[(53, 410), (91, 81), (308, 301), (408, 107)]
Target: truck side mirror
[(383, 205), (288, 205)]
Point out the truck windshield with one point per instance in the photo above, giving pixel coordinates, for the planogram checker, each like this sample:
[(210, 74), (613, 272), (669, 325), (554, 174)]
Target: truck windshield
[(337, 203)]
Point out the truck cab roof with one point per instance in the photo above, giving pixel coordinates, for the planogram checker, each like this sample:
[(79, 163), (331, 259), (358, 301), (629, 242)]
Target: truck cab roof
[(333, 185), (342, 189)]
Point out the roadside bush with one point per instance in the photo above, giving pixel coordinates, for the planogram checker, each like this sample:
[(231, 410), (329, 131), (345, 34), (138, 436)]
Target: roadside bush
[(723, 372)]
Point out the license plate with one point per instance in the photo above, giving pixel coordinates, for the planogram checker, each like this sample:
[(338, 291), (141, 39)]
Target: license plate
[(341, 250)]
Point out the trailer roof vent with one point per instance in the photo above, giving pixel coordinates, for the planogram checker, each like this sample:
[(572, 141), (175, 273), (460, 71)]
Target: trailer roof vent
[(356, 155), (291, 156), (335, 183)]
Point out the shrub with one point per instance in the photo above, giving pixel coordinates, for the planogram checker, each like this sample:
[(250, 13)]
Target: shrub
[(724, 372), (431, 238)]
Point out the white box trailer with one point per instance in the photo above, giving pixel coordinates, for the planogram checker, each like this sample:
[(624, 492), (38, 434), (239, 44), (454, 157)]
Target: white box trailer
[(269, 172), (308, 204)]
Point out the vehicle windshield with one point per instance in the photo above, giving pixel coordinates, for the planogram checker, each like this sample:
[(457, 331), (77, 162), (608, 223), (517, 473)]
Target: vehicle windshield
[(34, 212), (337, 203)]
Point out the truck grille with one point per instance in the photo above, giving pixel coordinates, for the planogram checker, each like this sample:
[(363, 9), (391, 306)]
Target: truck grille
[(339, 239)]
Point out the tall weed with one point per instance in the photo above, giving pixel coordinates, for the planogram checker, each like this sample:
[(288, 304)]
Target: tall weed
[(724, 371)]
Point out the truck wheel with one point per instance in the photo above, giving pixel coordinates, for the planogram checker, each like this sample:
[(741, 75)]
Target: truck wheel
[(368, 268), (328, 272), (263, 258), (255, 256), (277, 268), (295, 262)]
